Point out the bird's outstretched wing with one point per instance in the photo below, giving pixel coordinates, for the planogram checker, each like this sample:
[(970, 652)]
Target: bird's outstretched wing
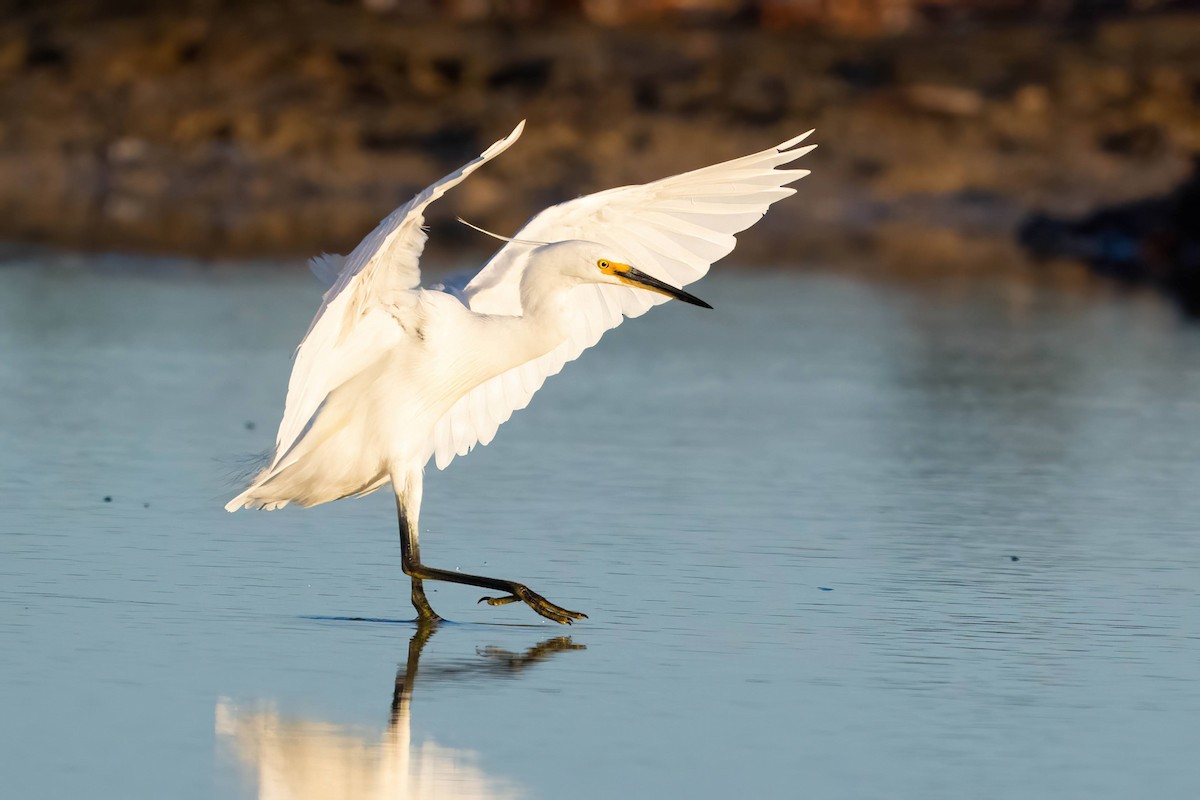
[(383, 265), (673, 229)]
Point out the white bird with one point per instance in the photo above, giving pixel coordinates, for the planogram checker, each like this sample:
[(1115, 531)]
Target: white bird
[(391, 375)]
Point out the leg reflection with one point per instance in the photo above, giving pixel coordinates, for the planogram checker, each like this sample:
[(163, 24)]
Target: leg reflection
[(497, 661), (316, 759)]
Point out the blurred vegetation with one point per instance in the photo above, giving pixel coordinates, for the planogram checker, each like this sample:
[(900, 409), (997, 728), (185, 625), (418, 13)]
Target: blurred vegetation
[(290, 127)]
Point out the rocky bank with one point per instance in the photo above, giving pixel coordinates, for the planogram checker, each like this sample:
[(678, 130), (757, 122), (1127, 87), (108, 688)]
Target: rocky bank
[(287, 128)]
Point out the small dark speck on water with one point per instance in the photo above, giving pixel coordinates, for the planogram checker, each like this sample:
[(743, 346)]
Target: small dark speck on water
[(1014, 558), (249, 425), (108, 498), (145, 505), (825, 588)]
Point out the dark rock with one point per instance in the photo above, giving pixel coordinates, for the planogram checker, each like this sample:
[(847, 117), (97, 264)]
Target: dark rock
[(646, 96), (368, 90), (1141, 141), (528, 75), (865, 72), (350, 59), (44, 55), (760, 102), (1154, 241), (190, 52), (449, 70)]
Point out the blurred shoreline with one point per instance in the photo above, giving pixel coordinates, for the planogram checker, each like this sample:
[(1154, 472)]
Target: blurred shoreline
[(286, 129)]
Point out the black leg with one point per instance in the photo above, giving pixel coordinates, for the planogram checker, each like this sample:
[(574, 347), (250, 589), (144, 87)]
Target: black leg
[(425, 612), (410, 560), (410, 554)]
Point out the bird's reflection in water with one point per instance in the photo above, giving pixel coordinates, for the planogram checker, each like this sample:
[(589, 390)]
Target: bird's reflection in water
[(312, 759)]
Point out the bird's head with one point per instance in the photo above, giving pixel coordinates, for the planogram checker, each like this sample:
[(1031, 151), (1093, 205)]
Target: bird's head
[(591, 262)]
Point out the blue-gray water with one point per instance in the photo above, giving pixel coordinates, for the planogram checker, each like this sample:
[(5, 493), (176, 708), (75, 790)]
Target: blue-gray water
[(837, 539)]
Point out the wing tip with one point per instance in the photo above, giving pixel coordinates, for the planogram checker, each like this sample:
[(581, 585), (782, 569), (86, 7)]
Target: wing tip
[(790, 143), (793, 175), (503, 144), (514, 135)]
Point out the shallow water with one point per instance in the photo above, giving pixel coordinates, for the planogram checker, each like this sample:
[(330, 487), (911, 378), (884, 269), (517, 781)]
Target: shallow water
[(837, 539)]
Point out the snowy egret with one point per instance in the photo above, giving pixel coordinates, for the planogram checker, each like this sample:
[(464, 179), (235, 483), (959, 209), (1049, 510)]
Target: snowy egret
[(390, 375)]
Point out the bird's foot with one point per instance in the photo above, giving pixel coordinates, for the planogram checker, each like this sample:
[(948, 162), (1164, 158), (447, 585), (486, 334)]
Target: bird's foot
[(427, 617), (538, 603), (425, 613)]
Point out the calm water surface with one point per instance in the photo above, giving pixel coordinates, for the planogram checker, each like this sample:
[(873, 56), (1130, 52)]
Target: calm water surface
[(837, 540)]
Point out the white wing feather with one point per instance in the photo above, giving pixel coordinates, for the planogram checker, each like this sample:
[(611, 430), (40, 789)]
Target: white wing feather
[(673, 229), (377, 271)]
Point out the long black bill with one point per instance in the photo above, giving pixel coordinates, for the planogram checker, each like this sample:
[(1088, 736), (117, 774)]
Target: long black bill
[(639, 278)]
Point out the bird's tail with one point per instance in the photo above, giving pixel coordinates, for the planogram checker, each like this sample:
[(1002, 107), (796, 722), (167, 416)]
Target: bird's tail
[(296, 484), (324, 463), (250, 470), (272, 488)]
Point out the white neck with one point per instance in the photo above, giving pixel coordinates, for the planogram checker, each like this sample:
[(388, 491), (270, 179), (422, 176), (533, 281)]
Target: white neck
[(508, 342), (544, 287)]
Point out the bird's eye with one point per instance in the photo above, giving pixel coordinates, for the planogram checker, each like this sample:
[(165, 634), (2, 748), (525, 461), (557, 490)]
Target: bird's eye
[(602, 264)]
